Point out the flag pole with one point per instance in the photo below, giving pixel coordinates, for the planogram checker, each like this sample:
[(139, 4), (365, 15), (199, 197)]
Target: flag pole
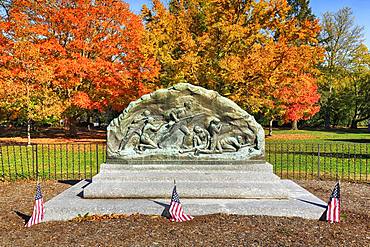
[(174, 182), (37, 165)]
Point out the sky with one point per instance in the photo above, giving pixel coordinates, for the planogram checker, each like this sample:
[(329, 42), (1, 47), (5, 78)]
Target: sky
[(360, 8)]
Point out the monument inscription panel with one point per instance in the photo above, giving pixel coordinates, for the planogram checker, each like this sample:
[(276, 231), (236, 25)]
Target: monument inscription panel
[(185, 121)]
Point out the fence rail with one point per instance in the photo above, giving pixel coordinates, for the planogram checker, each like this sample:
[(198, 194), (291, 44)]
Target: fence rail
[(81, 161)]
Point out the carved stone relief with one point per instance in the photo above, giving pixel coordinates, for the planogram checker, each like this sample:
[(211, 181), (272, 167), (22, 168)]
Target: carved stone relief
[(185, 121)]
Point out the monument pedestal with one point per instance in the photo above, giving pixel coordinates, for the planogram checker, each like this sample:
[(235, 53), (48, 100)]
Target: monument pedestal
[(251, 179)]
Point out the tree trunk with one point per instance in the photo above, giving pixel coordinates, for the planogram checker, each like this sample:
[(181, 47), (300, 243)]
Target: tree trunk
[(295, 125), (72, 129), (28, 132), (270, 127), (327, 119), (354, 118), (354, 124)]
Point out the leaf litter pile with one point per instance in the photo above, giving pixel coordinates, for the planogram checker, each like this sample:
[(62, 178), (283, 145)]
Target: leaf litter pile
[(212, 230)]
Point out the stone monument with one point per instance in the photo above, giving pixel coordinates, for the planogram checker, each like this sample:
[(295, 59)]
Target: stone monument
[(212, 148), (207, 143)]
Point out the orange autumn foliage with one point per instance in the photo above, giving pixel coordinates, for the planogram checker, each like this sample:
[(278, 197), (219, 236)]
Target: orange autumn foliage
[(25, 77), (250, 51), (93, 50)]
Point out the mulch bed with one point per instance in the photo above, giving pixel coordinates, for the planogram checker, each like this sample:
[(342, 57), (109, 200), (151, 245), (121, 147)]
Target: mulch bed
[(16, 201)]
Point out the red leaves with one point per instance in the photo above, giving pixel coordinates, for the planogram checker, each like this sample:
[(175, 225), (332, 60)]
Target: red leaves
[(93, 49), (299, 99)]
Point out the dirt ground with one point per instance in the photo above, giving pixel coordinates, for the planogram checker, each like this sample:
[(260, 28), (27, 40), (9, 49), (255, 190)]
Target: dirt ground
[(59, 135), (51, 136), (16, 202)]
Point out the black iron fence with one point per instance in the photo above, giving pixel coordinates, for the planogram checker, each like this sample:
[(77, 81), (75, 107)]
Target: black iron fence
[(51, 161), (80, 161), (320, 161)]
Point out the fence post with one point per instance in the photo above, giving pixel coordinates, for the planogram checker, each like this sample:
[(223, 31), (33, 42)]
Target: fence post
[(318, 161), (367, 153), (97, 157), (35, 160), (2, 162)]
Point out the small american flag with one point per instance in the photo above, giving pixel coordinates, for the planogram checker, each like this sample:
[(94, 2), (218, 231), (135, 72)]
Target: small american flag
[(333, 209), (176, 210), (38, 209)]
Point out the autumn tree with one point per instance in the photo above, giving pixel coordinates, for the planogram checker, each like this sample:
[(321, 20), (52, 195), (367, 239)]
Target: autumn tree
[(300, 10), (25, 76), (92, 47), (246, 50)]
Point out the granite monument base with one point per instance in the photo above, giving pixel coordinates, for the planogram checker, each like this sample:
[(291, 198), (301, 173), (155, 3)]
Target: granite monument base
[(70, 203), (251, 179)]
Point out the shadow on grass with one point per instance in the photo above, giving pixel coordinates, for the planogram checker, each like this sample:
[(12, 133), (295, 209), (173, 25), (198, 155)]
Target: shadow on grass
[(25, 217), (340, 130), (363, 141), (329, 155)]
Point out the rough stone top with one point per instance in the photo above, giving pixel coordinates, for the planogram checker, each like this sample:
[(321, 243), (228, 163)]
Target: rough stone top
[(185, 122)]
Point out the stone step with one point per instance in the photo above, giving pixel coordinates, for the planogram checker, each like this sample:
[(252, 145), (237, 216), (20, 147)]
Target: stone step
[(260, 167), (186, 189), (220, 180), (193, 161), (185, 175)]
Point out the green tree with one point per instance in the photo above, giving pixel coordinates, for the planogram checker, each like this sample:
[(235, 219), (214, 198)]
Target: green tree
[(341, 38), (301, 10), (358, 87)]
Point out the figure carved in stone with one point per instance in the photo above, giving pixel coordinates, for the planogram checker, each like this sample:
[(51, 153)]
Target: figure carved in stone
[(183, 121), (201, 140), (181, 112), (214, 130), (232, 144), (135, 127), (146, 141), (178, 118)]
